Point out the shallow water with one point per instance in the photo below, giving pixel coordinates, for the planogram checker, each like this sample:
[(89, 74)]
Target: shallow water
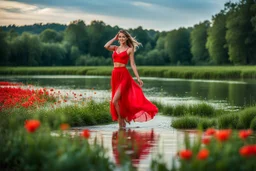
[(156, 135), (153, 136), (227, 94)]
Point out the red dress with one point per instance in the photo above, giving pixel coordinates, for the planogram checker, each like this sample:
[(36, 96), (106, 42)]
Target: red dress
[(138, 142), (133, 104)]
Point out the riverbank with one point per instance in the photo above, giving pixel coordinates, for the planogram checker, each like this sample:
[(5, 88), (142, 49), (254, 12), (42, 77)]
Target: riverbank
[(39, 123), (189, 72)]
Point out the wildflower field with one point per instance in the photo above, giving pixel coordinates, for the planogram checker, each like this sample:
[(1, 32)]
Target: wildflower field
[(35, 124)]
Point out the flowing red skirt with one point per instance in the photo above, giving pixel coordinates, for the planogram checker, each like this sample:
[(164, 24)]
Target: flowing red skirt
[(133, 104)]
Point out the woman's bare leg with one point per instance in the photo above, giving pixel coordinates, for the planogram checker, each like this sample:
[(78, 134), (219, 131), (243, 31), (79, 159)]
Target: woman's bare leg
[(115, 102)]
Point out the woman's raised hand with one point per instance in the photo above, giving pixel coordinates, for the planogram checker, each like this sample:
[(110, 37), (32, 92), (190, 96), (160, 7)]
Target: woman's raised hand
[(116, 37)]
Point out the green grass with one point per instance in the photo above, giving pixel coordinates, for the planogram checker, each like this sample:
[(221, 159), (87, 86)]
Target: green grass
[(192, 122), (202, 109), (220, 155), (230, 120), (191, 72), (91, 113), (41, 151), (243, 119)]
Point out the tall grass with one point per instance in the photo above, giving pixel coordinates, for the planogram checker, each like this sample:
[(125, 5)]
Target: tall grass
[(191, 122), (201, 109), (243, 119), (41, 151), (191, 72), (91, 113)]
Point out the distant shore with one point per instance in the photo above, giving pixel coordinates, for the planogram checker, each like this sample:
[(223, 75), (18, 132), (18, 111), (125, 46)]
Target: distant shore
[(189, 72)]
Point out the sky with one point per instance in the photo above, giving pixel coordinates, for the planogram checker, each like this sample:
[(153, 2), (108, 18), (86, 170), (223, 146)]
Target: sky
[(161, 15)]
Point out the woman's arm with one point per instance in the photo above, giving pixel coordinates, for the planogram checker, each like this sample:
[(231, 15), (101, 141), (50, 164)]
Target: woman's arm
[(134, 68), (108, 45)]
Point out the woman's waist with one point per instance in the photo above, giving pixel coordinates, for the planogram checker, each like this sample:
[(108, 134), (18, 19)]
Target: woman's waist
[(119, 65), (120, 68)]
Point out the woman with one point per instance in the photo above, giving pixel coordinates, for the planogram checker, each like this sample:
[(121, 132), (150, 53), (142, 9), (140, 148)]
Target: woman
[(128, 102)]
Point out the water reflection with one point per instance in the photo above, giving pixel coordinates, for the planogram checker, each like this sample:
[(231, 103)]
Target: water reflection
[(136, 145), (228, 92)]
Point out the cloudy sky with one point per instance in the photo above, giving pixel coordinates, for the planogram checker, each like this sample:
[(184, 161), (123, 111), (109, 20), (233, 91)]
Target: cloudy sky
[(150, 14)]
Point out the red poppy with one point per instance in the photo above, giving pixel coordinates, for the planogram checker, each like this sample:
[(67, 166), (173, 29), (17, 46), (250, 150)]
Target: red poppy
[(247, 151), (243, 134), (32, 125), (185, 154), (86, 133), (203, 154), (210, 131), (206, 140), (64, 126), (223, 135)]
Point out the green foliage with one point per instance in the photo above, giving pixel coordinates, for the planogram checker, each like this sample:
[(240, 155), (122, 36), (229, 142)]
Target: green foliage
[(230, 38), (202, 109), (246, 116), (253, 124), (76, 35), (50, 36), (4, 48), (88, 60), (222, 155), (154, 57), (191, 122), (240, 34), (36, 28), (29, 47), (41, 151), (196, 116), (216, 42), (230, 120), (52, 53), (89, 113), (177, 46), (198, 39), (224, 72)]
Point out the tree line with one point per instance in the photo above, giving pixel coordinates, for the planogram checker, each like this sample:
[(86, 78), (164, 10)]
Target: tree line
[(228, 39)]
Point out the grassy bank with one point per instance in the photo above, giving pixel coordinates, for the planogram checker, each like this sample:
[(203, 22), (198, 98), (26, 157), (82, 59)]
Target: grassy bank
[(198, 72), (91, 113), (205, 116)]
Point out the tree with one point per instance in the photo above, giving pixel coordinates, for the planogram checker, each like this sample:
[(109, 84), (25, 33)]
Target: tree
[(177, 46), (50, 36), (198, 38), (240, 35), (154, 57), (142, 36), (96, 32), (53, 54), (26, 50), (76, 35), (216, 42), (3, 48)]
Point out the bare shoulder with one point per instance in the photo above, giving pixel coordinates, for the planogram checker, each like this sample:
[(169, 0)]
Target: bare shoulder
[(130, 50)]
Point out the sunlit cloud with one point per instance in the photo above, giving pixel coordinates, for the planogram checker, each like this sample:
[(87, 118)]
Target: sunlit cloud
[(150, 14), (142, 4)]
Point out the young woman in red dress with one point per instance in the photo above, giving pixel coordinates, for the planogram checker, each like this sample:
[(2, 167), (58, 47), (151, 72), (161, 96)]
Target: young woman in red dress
[(128, 102)]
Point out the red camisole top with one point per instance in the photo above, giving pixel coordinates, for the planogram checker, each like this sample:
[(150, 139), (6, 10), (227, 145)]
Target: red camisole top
[(121, 57)]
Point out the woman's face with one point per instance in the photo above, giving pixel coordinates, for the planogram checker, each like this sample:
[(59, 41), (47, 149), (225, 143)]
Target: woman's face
[(122, 38)]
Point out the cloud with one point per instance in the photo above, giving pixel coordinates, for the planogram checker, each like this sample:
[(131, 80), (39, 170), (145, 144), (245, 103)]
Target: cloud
[(155, 14), (142, 4)]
